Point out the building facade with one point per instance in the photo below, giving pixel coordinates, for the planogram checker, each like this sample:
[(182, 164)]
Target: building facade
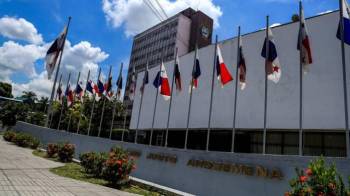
[(182, 31)]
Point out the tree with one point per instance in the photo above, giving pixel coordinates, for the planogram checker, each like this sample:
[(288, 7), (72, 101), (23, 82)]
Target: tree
[(29, 97), (6, 90), (295, 18)]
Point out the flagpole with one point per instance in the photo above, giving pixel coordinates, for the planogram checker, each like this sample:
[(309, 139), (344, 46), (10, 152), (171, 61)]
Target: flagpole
[(344, 79), (51, 115), (140, 106), (62, 105), (190, 102), (93, 103), (212, 94), (82, 103), (56, 75), (70, 115), (115, 104), (236, 86), (301, 85), (104, 102), (265, 98), (171, 99)]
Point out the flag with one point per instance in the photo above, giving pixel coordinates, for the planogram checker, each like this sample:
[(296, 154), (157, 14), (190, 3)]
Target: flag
[(79, 91), (223, 74), (346, 19), (99, 89), (108, 88), (161, 82), (69, 95), (272, 67), (196, 72), (304, 44), (59, 93), (119, 83), (90, 87), (54, 51), (177, 75), (132, 85), (241, 66), (145, 80)]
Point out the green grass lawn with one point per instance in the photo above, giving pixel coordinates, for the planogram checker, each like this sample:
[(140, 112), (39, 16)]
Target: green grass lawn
[(75, 171)]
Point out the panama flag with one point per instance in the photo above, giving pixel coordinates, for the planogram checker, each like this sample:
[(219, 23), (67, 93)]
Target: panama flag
[(223, 74), (346, 19), (272, 67), (69, 95), (241, 66), (79, 91), (196, 72), (304, 43), (177, 75), (145, 80), (54, 51), (119, 83), (99, 89), (132, 85), (59, 93), (161, 82), (108, 88), (90, 87)]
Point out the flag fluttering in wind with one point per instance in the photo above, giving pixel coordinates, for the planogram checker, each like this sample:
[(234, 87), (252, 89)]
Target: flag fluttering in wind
[(108, 88), (99, 89), (53, 52), (177, 75), (196, 72), (145, 80), (161, 81), (346, 19), (132, 85), (119, 83), (242, 69), (90, 87), (59, 93), (304, 44), (223, 74), (69, 95), (272, 67), (79, 91)]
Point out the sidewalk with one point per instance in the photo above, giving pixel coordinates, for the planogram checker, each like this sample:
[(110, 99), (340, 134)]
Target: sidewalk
[(23, 174)]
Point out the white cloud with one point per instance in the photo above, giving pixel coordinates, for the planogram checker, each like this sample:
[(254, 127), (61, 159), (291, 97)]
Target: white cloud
[(40, 85), (135, 16), (19, 28), (325, 12)]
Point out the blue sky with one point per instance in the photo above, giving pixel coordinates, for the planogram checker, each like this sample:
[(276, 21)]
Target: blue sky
[(101, 33)]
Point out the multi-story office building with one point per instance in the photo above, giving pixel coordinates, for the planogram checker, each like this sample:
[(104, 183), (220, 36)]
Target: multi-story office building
[(159, 42)]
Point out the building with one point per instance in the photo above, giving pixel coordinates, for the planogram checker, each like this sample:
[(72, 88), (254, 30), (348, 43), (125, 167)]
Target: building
[(159, 42)]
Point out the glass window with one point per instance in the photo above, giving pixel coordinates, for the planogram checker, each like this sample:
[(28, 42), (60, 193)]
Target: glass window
[(129, 136), (324, 143), (197, 139), (143, 136), (158, 138), (249, 141), (220, 140), (176, 138), (282, 142)]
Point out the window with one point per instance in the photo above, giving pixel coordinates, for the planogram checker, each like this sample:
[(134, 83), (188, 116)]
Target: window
[(176, 138), (282, 142), (197, 139), (220, 140), (158, 138), (332, 144), (248, 141), (129, 136), (143, 136)]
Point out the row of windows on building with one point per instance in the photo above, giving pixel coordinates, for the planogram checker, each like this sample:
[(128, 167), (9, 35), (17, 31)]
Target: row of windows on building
[(167, 48), (332, 143), (156, 41)]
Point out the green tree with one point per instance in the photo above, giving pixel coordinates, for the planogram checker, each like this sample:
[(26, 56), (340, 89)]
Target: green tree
[(6, 90)]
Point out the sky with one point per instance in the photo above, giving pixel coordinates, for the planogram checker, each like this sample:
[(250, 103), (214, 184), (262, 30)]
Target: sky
[(101, 32)]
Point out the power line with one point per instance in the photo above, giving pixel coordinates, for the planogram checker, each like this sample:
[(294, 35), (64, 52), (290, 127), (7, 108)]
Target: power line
[(161, 8), (155, 11)]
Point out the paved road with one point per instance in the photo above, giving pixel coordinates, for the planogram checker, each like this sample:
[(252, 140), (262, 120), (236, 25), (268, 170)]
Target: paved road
[(22, 174)]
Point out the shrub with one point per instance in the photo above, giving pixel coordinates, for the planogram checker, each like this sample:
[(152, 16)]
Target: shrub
[(23, 139), (93, 162), (34, 143), (66, 152), (51, 150), (118, 166), (9, 136), (317, 179)]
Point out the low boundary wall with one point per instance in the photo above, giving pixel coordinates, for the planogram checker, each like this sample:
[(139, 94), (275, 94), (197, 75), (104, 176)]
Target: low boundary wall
[(196, 172)]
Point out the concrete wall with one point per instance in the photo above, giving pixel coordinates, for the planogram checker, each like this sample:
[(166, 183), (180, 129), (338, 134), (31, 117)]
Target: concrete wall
[(188, 179), (183, 34), (323, 86)]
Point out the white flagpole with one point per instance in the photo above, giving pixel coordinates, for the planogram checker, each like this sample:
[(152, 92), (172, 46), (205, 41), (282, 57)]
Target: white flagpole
[(50, 122), (62, 105), (56, 75), (115, 103), (301, 84), (235, 87), (140, 106), (265, 98), (70, 115), (104, 102), (211, 95), (190, 102), (82, 103), (171, 100), (93, 102), (344, 79)]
